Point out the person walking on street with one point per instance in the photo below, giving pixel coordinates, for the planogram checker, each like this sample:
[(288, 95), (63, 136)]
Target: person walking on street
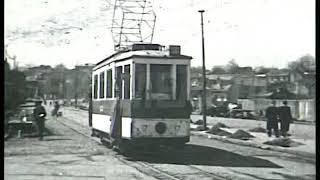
[(285, 118), (55, 109), (272, 119), (39, 114)]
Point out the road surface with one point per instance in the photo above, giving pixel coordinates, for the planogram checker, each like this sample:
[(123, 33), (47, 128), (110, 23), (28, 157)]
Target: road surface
[(68, 152)]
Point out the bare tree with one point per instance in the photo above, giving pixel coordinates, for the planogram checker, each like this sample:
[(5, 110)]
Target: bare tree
[(232, 66)]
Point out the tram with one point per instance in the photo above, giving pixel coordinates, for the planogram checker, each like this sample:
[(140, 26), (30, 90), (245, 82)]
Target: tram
[(141, 98)]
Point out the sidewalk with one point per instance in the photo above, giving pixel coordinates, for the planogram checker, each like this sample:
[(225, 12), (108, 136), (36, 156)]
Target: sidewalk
[(300, 133)]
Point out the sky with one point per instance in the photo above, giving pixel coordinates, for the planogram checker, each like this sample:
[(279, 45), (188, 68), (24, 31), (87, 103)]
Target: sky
[(254, 33)]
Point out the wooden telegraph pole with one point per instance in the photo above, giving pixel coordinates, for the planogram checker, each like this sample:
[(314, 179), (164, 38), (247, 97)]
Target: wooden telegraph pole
[(204, 101)]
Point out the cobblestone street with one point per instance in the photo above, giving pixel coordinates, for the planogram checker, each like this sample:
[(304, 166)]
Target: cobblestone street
[(68, 152)]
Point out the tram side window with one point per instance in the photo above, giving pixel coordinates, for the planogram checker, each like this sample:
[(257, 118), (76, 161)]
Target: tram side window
[(181, 82), (118, 88), (109, 83), (95, 87), (127, 82), (101, 90), (140, 80), (161, 82)]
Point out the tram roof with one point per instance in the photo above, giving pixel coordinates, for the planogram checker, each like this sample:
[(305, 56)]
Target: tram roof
[(153, 54)]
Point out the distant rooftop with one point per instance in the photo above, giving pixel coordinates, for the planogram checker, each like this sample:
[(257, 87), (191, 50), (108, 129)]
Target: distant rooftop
[(225, 77)]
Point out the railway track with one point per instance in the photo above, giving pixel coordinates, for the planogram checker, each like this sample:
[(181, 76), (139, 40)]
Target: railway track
[(144, 167)]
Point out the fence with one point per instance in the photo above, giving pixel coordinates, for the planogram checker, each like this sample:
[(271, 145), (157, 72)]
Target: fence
[(302, 109)]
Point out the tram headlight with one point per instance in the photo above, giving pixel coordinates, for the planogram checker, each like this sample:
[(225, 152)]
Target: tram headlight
[(161, 127)]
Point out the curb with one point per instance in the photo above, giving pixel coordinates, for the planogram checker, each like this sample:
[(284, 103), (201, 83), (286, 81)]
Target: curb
[(311, 123), (309, 156)]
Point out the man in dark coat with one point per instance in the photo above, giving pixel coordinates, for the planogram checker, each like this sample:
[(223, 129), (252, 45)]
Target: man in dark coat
[(39, 114), (285, 118), (272, 119), (55, 109)]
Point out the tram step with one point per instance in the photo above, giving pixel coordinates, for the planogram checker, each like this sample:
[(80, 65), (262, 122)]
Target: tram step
[(107, 142)]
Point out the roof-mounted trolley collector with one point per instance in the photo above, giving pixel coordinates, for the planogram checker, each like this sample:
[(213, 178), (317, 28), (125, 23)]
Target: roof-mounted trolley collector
[(141, 97)]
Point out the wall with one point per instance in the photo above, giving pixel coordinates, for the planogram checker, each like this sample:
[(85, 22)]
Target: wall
[(300, 109)]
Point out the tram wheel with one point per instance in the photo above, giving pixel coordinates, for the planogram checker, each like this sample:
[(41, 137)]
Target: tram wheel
[(94, 133), (106, 142), (123, 148)]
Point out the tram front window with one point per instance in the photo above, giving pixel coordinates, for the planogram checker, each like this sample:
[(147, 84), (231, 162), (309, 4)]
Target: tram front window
[(161, 81), (140, 80)]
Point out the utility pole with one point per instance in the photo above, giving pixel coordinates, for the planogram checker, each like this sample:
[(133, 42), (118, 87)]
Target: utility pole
[(76, 86), (204, 101)]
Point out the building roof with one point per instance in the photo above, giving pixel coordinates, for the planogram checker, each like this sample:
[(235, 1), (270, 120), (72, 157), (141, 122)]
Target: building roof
[(244, 70), (222, 89), (279, 72), (224, 77)]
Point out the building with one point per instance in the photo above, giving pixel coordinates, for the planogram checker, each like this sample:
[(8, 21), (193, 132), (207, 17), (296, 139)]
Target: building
[(304, 82), (37, 72), (248, 85), (300, 81), (78, 82), (35, 77), (228, 87), (59, 82), (275, 76)]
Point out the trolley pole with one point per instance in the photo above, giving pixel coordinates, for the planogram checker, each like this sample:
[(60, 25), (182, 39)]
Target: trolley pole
[(204, 101)]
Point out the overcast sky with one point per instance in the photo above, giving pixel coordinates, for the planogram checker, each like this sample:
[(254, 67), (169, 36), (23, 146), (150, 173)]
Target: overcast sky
[(253, 32)]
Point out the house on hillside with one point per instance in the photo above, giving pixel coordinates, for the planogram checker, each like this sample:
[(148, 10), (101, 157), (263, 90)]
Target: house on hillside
[(244, 70), (304, 82), (300, 81), (37, 72), (295, 86), (248, 85), (78, 82), (228, 87), (35, 78)]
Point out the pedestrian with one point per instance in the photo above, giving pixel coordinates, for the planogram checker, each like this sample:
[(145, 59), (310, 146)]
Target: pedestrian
[(272, 119), (285, 118), (39, 114), (55, 109)]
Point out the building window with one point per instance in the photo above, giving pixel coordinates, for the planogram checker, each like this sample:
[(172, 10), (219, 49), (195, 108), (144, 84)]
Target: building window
[(126, 82), (101, 89), (140, 80), (109, 83), (95, 87)]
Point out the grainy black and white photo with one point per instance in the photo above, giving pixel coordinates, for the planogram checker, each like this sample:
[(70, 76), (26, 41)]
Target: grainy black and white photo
[(159, 90)]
